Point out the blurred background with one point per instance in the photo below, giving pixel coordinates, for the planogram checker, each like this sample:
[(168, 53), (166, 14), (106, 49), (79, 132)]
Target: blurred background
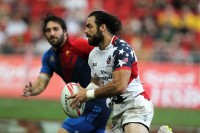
[(165, 35)]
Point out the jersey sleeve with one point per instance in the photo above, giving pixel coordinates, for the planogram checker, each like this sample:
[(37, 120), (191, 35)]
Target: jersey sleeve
[(81, 45), (45, 65), (124, 56)]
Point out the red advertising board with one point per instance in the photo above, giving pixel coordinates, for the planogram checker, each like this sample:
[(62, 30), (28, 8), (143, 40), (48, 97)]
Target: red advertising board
[(172, 85), (169, 85), (17, 71)]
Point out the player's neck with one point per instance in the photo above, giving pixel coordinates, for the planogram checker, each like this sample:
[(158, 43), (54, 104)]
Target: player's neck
[(106, 41), (57, 48)]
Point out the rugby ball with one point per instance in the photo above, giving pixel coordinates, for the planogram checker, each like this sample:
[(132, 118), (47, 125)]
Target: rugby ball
[(69, 89)]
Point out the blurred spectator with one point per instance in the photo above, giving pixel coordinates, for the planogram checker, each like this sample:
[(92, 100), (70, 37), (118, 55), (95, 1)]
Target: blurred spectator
[(159, 30), (15, 26), (77, 12), (169, 17)]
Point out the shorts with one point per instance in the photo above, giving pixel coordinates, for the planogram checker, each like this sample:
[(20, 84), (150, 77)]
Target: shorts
[(132, 110), (79, 125), (93, 120)]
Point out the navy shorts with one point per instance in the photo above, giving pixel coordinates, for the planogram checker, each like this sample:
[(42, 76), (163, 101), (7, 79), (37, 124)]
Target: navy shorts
[(79, 125)]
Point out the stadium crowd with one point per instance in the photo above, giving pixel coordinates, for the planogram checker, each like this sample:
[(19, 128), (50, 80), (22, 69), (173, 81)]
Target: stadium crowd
[(158, 30)]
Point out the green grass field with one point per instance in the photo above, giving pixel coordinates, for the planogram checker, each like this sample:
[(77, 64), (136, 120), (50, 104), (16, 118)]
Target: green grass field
[(52, 110)]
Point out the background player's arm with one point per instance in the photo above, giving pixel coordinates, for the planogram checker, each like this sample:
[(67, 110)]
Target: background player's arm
[(37, 86)]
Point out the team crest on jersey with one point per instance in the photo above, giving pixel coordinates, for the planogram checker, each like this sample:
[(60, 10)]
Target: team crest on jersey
[(94, 64), (52, 59), (108, 61), (67, 52)]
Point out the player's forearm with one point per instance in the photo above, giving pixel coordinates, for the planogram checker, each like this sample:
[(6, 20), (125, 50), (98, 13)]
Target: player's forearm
[(116, 87), (39, 86), (37, 89), (111, 89)]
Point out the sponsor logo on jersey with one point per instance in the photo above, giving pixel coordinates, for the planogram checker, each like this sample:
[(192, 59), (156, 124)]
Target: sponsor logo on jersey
[(108, 61), (94, 64), (52, 59), (67, 52)]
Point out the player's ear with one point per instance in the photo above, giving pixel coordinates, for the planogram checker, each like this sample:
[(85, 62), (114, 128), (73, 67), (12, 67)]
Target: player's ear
[(103, 27), (66, 34)]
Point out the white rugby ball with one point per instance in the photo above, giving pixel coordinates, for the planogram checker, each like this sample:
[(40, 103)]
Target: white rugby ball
[(69, 89)]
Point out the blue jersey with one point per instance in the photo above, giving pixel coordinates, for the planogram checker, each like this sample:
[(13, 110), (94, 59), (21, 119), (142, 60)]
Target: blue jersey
[(71, 63)]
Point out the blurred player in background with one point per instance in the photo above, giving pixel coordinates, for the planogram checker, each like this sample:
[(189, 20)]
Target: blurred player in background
[(113, 63), (68, 57)]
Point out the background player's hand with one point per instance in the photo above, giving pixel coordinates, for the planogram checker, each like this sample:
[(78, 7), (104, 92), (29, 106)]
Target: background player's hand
[(79, 97), (27, 91)]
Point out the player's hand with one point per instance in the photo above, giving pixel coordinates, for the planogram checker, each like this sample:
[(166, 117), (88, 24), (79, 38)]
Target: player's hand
[(78, 98), (27, 91)]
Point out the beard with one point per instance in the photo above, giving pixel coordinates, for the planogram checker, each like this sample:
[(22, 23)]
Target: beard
[(95, 39), (56, 42)]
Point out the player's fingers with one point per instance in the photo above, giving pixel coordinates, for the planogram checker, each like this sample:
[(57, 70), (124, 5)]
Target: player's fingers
[(30, 84), (26, 88), (79, 86), (71, 96), (74, 103), (26, 91), (26, 94)]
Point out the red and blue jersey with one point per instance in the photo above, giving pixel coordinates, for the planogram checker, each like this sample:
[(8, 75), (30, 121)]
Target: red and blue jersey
[(71, 63)]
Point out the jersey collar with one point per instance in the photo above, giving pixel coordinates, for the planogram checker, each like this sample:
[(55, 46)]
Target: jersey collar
[(114, 38)]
